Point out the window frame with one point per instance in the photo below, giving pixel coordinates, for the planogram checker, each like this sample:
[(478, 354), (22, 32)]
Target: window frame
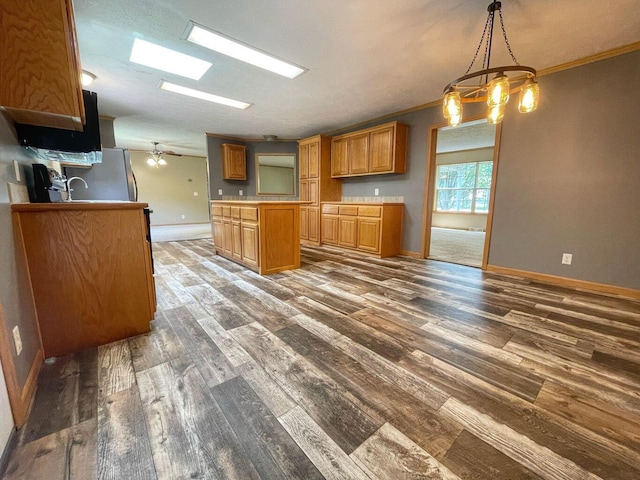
[(474, 189)]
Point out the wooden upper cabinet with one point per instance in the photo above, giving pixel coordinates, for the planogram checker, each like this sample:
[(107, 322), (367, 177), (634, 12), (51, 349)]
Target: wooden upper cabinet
[(381, 150), (304, 161), (314, 159), (234, 162), (358, 153), (40, 72), (339, 165), (373, 151)]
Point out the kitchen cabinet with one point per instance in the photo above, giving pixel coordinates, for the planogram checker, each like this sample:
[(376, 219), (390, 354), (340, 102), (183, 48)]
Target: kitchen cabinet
[(40, 64), (267, 236), (374, 228), (89, 265), (316, 185), (372, 151), (234, 162)]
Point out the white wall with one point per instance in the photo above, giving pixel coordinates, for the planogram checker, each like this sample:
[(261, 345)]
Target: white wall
[(6, 420)]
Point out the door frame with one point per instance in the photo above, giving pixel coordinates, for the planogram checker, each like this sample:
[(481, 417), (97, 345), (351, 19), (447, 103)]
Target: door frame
[(429, 189)]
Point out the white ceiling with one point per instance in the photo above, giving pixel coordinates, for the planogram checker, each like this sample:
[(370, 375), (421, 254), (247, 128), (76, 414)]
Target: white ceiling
[(366, 58)]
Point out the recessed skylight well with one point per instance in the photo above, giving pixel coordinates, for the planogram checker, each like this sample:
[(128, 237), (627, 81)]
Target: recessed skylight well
[(227, 46), (167, 60), (172, 87)]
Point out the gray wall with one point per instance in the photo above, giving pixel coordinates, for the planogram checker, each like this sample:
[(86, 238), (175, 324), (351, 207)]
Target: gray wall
[(568, 177), (15, 291), (231, 187)]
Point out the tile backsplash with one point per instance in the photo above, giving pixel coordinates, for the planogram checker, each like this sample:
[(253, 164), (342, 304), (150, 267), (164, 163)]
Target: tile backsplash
[(373, 199)]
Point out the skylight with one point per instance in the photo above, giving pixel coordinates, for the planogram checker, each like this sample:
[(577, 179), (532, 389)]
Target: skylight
[(227, 46), (172, 87), (167, 60)]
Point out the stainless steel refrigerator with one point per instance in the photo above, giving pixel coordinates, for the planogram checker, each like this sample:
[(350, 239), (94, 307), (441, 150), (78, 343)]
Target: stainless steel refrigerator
[(112, 179)]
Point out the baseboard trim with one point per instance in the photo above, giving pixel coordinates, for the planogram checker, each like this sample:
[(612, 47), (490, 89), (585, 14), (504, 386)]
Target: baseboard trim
[(409, 253), (21, 413), (567, 282)]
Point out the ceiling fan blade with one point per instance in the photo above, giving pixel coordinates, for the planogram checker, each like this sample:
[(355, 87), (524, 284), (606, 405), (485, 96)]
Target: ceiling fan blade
[(171, 152)]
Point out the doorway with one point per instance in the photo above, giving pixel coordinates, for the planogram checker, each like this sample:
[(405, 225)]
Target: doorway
[(461, 173)]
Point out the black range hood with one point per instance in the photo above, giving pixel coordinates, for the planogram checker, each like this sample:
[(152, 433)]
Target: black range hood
[(63, 145)]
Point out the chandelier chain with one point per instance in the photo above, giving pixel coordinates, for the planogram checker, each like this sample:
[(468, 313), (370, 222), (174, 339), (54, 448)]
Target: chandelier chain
[(484, 33), (506, 40)]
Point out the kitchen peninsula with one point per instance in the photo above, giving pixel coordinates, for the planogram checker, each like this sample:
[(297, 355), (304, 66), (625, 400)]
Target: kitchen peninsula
[(90, 271), (261, 235)]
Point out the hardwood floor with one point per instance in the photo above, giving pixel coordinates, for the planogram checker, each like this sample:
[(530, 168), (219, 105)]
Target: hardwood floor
[(349, 367)]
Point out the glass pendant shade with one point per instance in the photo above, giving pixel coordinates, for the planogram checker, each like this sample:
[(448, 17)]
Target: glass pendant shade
[(496, 114), (529, 96), (498, 91), (151, 162), (454, 120), (162, 161), (452, 105)]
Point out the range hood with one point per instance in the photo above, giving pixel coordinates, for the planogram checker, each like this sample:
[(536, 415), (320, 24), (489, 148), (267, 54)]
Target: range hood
[(66, 146)]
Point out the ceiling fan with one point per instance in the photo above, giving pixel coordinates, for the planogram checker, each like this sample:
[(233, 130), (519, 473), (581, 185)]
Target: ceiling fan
[(156, 159)]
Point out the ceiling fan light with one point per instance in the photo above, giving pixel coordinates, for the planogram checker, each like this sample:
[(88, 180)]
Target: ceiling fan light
[(529, 96), (498, 91), (162, 161), (452, 104), (496, 114), (151, 162)]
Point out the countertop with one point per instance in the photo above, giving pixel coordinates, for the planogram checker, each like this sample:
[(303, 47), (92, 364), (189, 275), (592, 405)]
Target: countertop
[(78, 205)]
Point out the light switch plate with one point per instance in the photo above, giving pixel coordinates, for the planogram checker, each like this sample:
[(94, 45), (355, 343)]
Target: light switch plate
[(240, 192), (195, 194), (376, 192), (17, 340), (16, 168), (219, 191)]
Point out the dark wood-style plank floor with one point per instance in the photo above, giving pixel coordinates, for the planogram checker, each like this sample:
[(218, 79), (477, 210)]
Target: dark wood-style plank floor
[(349, 367)]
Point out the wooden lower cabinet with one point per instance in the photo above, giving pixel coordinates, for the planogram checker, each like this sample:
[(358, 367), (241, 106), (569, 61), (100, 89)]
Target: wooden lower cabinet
[(89, 266), (313, 225), (263, 236), (304, 223), (374, 228)]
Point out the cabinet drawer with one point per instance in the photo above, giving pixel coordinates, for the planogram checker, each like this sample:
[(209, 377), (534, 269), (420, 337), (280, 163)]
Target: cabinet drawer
[(226, 211), (348, 210), (330, 209), (369, 211), (235, 212), (216, 210), (249, 213)]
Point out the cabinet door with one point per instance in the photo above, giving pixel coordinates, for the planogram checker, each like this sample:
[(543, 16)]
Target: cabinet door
[(41, 69), (358, 153), (303, 152), (314, 224), (314, 192), (218, 235), (314, 160), (250, 245), (304, 223), (236, 240), (234, 162), (347, 231), (227, 236), (381, 150), (330, 229), (304, 190), (339, 165), (369, 234)]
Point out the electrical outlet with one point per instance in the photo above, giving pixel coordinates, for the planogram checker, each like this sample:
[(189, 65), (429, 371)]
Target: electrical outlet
[(17, 340), (195, 194), (183, 216), (567, 258), (376, 191), (219, 191), (240, 192)]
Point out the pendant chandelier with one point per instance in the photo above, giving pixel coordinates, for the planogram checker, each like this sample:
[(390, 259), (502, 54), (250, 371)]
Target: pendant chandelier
[(155, 159), (478, 87)]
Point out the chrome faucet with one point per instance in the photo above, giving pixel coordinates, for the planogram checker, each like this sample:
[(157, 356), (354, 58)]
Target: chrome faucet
[(69, 189)]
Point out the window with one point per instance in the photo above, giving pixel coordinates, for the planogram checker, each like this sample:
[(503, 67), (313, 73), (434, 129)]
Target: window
[(463, 187)]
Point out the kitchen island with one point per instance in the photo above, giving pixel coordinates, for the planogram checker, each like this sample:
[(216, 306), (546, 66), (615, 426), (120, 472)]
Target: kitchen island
[(90, 271), (261, 235)]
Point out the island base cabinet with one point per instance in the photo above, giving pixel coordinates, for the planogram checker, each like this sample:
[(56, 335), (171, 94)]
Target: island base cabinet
[(90, 271), (263, 236)]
